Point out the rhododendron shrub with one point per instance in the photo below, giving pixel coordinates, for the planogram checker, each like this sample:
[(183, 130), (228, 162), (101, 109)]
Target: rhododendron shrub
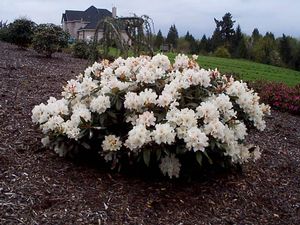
[(147, 109)]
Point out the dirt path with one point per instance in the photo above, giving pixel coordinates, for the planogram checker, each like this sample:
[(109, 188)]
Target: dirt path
[(37, 187)]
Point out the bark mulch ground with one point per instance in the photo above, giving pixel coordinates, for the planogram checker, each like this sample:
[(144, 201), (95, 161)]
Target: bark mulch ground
[(38, 187)]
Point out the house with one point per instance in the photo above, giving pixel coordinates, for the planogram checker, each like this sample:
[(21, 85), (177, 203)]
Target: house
[(82, 25)]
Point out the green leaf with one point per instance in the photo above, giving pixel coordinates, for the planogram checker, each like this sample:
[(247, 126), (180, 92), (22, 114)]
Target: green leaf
[(212, 144), (208, 158), (146, 156), (118, 104), (158, 154), (86, 145), (180, 150), (112, 114), (199, 157)]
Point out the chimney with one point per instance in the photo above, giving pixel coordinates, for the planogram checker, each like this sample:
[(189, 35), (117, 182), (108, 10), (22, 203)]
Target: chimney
[(114, 12)]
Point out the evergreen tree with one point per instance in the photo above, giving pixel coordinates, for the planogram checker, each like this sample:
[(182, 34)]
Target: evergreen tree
[(172, 36), (224, 31), (255, 35), (239, 46), (238, 36), (270, 35), (242, 50), (216, 39), (227, 28), (203, 45), (285, 50), (159, 40), (193, 47)]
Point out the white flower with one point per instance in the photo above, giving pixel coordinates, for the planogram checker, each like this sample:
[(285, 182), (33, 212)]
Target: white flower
[(181, 132), (256, 154), (111, 143), (216, 129), (163, 133), (71, 88), (88, 71), (236, 89), (170, 166), (145, 75), (148, 96), (137, 137), (229, 135), (87, 86), (100, 104), (224, 105), (132, 101), (185, 117), (45, 141), (97, 67), (196, 139), (181, 61), (165, 100), (197, 77), (122, 71), (132, 119), (208, 111), (161, 61), (240, 131), (70, 128), (146, 119), (40, 114), (81, 111), (54, 123)]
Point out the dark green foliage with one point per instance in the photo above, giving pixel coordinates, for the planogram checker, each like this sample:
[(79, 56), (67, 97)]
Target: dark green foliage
[(255, 35), (285, 50), (296, 60), (20, 32), (159, 40), (4, 34), (81, 49), (239, 45), (193, 46), (204, 45), (172, 36), (49, 38), (216, 39), (93, 52)]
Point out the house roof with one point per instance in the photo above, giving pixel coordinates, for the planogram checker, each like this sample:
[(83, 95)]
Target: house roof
[(92, 15)]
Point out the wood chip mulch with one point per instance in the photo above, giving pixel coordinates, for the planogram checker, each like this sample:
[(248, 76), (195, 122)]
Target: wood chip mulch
[(38, 187)]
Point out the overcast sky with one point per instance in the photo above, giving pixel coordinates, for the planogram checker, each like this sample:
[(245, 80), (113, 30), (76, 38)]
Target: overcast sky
[(196, 16)]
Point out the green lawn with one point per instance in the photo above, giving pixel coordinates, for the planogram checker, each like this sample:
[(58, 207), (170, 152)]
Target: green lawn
[(248, 70)]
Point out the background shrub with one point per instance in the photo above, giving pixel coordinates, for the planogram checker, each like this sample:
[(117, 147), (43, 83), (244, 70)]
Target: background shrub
[(279, 95), (80, 49), (4, 34), (49, 38), (20, 32), (222, 52)]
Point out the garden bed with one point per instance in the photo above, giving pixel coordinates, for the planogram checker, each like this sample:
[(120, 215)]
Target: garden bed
[(38, 187)]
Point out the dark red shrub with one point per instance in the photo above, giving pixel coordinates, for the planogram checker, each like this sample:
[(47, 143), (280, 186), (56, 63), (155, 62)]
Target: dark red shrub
[(279, 95)]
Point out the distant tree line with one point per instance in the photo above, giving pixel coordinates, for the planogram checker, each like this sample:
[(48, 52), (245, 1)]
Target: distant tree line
[(230, 42)]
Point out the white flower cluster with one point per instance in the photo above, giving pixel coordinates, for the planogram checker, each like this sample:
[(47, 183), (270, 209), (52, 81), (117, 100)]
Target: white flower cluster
[(160, 104)]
